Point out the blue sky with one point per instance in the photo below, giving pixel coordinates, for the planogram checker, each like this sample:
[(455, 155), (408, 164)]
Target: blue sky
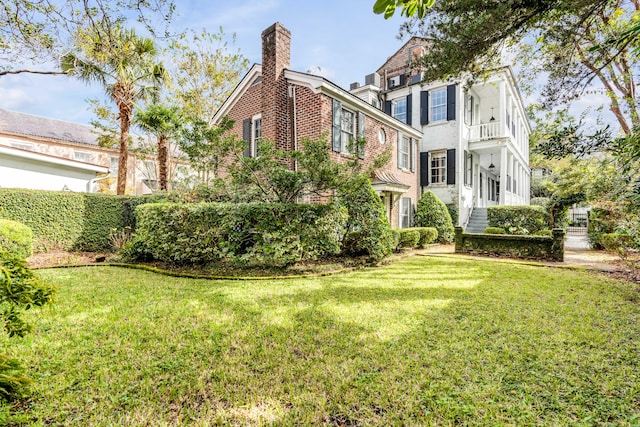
[(344, 38)]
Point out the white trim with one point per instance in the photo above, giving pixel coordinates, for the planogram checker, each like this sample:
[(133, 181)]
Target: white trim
[(32, 155), (320, 85), (245, 83)]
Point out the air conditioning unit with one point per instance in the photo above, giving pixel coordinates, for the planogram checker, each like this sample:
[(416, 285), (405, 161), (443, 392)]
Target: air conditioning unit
[(372, 79)]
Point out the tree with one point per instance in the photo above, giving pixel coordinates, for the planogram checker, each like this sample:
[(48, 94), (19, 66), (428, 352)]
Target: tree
[(126, 66), (409, 7), (164, 123), (40, 31), (432, 212)]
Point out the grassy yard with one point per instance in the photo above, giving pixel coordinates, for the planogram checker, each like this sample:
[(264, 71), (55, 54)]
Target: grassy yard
[(426, 341)]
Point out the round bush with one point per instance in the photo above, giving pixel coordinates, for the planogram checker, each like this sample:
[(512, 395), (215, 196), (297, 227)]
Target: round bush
[(432, 212), (16, 238), (409, 238), (428, 235), (495, 230)]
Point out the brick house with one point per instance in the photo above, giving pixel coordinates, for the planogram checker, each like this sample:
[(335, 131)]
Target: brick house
[(474, 151), (284, 106)]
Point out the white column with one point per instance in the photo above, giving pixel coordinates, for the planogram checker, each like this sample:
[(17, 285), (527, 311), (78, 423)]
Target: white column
[(503, 174)]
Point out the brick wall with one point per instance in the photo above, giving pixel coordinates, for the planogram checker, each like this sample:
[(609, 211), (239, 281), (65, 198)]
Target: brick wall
[(398, 63)]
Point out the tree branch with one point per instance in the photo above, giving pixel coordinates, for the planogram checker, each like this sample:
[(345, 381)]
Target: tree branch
[(6, 72)]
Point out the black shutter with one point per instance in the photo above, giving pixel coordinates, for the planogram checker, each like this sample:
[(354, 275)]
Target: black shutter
[(412, 154), (451, 102), (246, 135), (336, 139), (424, 169), (424, 107), (360, 143), (387, 107), (409, 108), (451, 166)]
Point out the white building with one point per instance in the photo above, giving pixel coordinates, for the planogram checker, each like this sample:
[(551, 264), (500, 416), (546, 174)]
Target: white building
[(474, 151)]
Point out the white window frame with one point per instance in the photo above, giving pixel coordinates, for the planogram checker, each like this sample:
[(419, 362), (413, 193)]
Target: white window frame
[(347, 134), (404, 152), (117, 163), (404, 212), (399, 109), (468, 172), (256, 133), (438, 167), (82, 156), (438, 105), (149, 170)]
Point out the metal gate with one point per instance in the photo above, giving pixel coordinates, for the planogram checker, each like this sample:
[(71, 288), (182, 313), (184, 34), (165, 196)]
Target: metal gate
[(578, 223)]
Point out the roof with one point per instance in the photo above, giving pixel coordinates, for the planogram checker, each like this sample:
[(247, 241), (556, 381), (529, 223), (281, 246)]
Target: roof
[(23, 124), (317, 84)]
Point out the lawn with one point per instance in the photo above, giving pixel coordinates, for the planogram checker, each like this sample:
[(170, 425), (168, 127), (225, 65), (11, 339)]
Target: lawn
[(426, 340)]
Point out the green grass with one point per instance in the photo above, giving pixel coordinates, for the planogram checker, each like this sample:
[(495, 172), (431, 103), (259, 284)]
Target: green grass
[(424, 341)]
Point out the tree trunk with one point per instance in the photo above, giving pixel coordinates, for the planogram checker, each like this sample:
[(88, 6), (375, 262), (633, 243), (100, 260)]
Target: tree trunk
[(162, 162), (125, 124)]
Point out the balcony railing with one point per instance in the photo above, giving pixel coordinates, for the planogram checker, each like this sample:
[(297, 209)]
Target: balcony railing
[(485, 131)]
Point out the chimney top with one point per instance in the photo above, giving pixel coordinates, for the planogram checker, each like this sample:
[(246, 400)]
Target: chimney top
[(276, 27)]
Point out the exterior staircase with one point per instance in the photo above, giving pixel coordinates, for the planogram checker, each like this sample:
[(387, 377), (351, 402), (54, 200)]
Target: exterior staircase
[(478, 221)]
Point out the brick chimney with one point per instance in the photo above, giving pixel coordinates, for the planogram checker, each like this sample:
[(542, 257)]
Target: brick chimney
[(276, 57)]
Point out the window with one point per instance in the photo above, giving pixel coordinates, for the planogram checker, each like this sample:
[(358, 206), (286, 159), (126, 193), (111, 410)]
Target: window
[(404, 152), (399, 110), (114, 162), (150, 170), (469, 106), (468, 169), (438, 101), (347, 129), (406, 207), (83, 156), (256, 134), (508, 182), (439, 167), (481, 184), (22, 145)]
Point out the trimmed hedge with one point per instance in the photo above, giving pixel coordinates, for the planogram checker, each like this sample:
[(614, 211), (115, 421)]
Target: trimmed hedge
[(494, 230), (518, 219), (409, 238), (16, 239), (71, 221), (275, 234), (432, 212)]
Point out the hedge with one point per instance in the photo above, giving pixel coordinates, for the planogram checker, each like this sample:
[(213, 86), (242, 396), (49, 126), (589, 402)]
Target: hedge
[(274, 234), (409, 238), (66, 220), (494, 230), (518, 219), (16, 239)]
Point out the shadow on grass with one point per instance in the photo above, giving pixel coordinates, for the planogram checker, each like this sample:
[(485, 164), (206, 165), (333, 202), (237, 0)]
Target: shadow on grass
[(421, 341)]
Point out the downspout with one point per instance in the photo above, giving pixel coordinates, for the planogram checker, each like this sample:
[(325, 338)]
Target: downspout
[(294, 129), (94, 180)]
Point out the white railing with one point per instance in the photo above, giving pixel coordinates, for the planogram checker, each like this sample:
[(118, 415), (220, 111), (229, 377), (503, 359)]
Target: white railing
[(485, 131)]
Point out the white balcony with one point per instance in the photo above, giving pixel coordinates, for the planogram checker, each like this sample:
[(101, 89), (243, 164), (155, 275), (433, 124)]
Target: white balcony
[(486, 131)]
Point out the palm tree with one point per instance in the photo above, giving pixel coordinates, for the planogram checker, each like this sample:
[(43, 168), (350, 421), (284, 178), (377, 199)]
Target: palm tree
[(163, 122), (125, 65)]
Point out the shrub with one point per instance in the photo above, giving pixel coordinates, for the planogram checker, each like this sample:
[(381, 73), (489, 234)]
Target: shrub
[(366, 217), (453, 212), (395, 238), (545, 232), (494, 230), (16, 238), (615, 242), (428, 235), (247, 233), (409, 238), (72, 221), (20, 290), (518, 219), (432, 212)]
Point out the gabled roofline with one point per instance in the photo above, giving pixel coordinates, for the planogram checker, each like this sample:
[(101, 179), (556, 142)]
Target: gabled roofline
[(254, 72), (321, 85), (47, 158)]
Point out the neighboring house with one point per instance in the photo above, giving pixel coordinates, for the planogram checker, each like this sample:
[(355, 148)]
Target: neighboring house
[(43, 151), (284, 106), (475, 146)]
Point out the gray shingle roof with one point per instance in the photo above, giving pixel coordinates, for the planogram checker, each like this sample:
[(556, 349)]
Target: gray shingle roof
[(43, 127)]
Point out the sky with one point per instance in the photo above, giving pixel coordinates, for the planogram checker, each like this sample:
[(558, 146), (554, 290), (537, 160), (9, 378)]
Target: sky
[(344, 38)]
